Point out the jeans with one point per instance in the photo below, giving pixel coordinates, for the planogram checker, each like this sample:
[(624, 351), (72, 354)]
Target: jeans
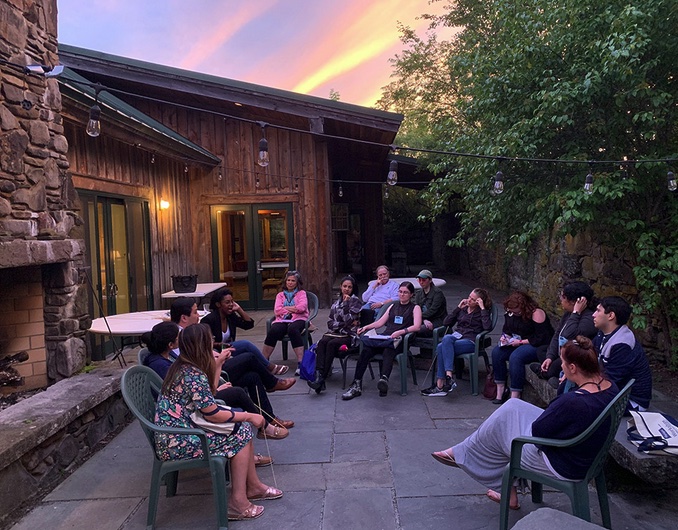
[(244, 346), (448, 349), (517, 359)]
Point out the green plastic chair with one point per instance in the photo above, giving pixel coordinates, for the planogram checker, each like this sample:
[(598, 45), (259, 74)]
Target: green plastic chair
[(136, 385), (306, 334), (576, 491)]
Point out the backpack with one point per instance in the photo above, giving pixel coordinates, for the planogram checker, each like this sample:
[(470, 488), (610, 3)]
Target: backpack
[(307, 365)]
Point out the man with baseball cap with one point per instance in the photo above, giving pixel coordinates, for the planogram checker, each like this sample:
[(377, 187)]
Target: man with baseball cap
[(432, 302)]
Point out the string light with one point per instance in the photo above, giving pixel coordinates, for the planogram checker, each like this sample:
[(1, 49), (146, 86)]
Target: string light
[(220, 177), (185, 168), (263, 158), (386, 193), (256, 183), (153, 158), (498, 187), (392, 177), (588, 182), (671, 181), (341, 191), (94, 124)]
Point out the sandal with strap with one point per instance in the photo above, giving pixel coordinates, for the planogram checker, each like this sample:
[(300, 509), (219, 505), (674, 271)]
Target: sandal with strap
[(270, 494), (445, 458), (262, 461), (280, 369), (278, 433), (251, 512), (287, 424), (495, 496)]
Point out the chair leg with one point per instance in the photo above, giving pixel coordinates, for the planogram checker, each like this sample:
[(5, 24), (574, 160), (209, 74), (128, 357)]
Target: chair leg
[(171, 480), (153, 495), (401, 358), (284, 349), (410, 360), (220, 492), (505, 500), (601, 490), (343, 362), (473, 369), (369, 365), (580, 501), (537, 489), (434, 368)]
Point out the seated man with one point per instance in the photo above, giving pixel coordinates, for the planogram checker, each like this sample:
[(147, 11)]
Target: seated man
[(432, 302), (621, 355), (378, 293)]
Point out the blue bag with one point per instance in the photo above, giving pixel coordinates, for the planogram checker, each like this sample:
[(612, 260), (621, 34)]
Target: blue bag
[(307, 365)]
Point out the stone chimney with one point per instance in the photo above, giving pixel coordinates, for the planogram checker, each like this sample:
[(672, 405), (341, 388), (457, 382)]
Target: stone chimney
[(43, 303)]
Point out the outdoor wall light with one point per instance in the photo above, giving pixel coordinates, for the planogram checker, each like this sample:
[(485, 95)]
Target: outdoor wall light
[(392, 177), (164, 205), (671, 178)]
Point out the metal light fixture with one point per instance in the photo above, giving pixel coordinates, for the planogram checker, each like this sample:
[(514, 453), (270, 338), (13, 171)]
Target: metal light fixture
[(498, 187), (263, 158), (671, 181)]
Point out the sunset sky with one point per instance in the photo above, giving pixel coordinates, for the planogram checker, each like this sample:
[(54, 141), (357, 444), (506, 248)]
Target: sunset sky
[(307, 46)]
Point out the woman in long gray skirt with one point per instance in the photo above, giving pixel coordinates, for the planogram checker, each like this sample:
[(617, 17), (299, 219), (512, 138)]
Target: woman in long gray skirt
[(485, 453)]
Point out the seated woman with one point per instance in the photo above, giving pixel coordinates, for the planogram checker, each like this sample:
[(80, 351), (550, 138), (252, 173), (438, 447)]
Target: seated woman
[(578, 302), (471, 317), (291, 313), (342, 331), (225, 317), (164, 338), (526, 327), (485, 454), (400, 318), (188, 387)]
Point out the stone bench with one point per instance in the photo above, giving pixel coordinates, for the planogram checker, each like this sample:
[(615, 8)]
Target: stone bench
[(654, 469), (45, 436)]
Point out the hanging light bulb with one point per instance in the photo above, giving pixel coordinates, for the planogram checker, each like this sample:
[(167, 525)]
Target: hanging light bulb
[(341, 191), (153, 158), (185, 168), (392, 177), (588, 182), (498, 183), (386, 193), (671, 178), (256, 183), (94, 124), (220, 177), (263, 158)]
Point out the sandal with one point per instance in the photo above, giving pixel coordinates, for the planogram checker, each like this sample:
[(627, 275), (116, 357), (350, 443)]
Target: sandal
[(252, 512), (270, 494), (496, 497), (278, 433), (280, 369), (262, 461), (445, 458)]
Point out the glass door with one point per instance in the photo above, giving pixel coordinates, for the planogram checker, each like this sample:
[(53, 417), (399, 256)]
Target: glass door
[(253, 248)]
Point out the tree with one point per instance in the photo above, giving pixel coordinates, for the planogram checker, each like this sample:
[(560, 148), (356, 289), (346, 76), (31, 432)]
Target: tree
[(568, 80)]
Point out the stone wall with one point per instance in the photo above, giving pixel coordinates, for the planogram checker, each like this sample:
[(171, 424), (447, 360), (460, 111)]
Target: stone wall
[(39, 221), (48, 435)]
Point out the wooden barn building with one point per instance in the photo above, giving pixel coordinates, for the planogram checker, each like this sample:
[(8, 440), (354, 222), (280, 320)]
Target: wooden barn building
[(172, 185)]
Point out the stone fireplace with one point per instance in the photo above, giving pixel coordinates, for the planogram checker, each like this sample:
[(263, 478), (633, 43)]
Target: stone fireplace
[(43, 302)]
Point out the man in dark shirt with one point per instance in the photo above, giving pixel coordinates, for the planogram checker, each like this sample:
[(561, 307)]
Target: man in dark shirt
[(620, 353), (432, 302)]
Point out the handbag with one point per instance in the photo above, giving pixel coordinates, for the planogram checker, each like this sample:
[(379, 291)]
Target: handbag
[(490, 388), (307, 365), (226, 428), (653, 432)]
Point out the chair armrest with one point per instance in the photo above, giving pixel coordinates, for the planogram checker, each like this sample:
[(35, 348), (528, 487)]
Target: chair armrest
[(438, 334), (406, 341), (159, 429), (269, 321)]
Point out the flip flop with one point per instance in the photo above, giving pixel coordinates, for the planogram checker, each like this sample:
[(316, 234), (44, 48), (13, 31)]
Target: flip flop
[(445, 458), (252, 512), (496, 497), (270, 494), (280, 369)]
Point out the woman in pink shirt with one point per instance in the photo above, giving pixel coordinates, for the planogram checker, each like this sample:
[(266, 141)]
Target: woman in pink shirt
[(291, 313)]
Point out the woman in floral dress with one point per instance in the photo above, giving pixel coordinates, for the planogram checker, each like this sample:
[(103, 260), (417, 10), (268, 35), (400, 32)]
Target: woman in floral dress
[(189, 386)]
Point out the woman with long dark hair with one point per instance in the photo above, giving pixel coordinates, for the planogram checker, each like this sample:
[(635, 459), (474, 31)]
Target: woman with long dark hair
[(342, 330), (189, 386)]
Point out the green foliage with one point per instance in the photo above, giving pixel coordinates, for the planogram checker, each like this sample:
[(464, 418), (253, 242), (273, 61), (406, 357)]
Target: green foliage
[(567, 80)]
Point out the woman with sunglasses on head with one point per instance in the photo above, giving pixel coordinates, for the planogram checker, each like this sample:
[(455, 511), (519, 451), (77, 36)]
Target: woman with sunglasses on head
[(342, 327), (291, 314), (485, 454), (401, 317), (189, 386)]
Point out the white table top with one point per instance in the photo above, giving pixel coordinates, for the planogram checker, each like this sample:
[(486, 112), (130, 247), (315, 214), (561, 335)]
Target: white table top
[(438, 282), (131, 324), (201, 289)]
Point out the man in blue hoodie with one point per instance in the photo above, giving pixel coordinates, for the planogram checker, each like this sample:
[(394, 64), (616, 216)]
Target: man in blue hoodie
[(620, 353)]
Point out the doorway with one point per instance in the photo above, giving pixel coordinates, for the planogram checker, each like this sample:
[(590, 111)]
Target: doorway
[(253, 247), (117, 231)]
